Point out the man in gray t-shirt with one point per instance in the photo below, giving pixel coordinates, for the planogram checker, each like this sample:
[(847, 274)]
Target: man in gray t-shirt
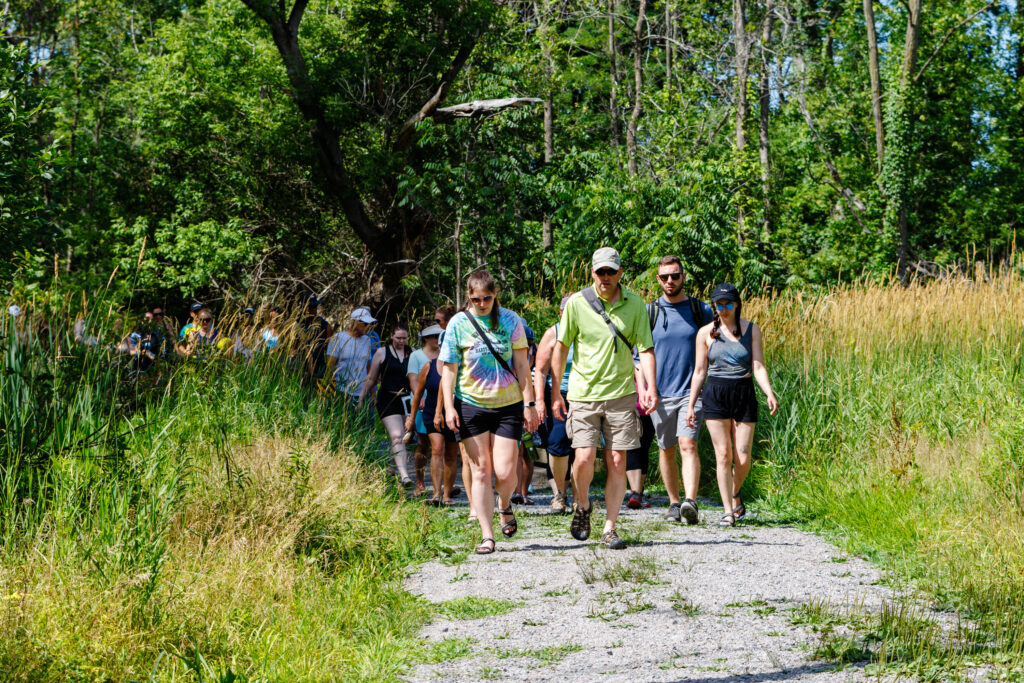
[(676, 320)]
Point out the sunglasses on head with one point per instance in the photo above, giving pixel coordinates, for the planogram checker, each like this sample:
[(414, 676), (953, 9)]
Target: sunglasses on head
[(482, 299), (605, 272), (728, 307), (669, 276)]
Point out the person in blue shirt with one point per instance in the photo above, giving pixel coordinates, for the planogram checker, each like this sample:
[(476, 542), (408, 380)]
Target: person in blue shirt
[(675, 319)]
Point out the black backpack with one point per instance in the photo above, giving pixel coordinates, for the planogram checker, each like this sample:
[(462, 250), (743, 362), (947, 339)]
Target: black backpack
[(654, 309)]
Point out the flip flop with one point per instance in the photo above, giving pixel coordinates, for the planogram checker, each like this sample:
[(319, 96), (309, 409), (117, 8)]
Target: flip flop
[(447, 502)]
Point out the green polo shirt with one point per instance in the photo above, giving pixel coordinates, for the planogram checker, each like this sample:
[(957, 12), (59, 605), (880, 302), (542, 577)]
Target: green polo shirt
[(602, 367)]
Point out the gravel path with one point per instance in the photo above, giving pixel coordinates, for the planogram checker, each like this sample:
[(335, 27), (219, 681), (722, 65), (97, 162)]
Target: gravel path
[(680, 604)]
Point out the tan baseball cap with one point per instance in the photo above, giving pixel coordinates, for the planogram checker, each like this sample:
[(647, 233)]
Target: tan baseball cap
[(606, 257)]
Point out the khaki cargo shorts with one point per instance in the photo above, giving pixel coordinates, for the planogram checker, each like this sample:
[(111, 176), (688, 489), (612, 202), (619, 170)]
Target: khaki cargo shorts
[(616, 419)]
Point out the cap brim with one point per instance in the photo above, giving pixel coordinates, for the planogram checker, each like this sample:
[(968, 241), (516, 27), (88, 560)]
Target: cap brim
[(607, 264)]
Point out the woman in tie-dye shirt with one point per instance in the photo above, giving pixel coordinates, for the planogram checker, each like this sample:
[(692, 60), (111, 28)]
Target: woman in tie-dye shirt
[(487, 400)]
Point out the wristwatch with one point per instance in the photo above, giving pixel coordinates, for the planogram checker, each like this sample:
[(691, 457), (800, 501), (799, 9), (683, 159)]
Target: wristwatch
[(529, 404)]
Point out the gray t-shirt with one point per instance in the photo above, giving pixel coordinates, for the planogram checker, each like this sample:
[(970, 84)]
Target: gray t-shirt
[(675, 345), (353, 361)]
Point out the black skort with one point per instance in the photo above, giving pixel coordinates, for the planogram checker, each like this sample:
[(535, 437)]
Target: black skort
[(730, 399), (506, 421)]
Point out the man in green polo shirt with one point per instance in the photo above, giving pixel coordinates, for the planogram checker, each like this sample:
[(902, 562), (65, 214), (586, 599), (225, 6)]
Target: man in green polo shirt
[(602, 393)]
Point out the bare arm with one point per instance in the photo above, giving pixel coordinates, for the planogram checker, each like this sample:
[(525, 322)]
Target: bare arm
[(700, 372), (448, 372), (540, 371), (558, 358), (420, 383), (371, 376), (521, 364), (648, 367), (760, 371)]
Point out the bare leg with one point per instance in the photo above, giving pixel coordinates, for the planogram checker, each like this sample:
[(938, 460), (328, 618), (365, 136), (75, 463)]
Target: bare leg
[(583, 474), (478, 450), (467, 478), (615, 488), (636, 480), (690, 467), (420, 459), (559, 468), (721, 437), (437, 464), (451, 459), (395, 427), (506, 459), (743, 441), (669, 473)]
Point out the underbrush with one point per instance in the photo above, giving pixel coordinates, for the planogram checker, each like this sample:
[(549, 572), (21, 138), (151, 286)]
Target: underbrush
[(228, 523), (900, 436)]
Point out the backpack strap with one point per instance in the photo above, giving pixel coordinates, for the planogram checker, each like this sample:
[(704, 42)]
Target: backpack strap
[(696, 312), (653, 309), (591, 296), (490, 347)]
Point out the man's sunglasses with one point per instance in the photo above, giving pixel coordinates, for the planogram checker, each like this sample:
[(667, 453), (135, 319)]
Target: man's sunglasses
[(482, 299), (605, 272), (669, 276)]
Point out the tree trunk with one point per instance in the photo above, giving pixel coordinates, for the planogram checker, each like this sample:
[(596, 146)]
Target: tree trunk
[(876, 82), (764, 111), (739, 26), (1020, 41), (548, 234), (638, 83), (613, 104), (668, 43)]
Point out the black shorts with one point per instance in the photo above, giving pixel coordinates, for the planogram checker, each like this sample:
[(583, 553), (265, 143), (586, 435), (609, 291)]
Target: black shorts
[(730, 399), (389, 404), (506, 421), (639, 458), (449, 435)]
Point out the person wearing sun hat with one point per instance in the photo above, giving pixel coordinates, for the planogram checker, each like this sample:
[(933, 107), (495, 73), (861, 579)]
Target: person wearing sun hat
[(730, 355), (606, 322), (349, 353)]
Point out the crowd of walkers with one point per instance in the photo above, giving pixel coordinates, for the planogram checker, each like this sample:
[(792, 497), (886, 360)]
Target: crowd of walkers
[(613, 375)]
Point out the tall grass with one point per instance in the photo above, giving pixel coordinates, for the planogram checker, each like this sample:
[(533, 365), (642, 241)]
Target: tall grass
[(227, 521), (900, 434)]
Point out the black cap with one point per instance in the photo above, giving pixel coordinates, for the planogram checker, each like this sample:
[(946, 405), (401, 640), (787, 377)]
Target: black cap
[(195, 307), (308, 299), (725, 291), (249, 310)]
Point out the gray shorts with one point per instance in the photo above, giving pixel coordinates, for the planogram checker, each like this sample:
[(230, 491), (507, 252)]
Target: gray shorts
[(669, 420)]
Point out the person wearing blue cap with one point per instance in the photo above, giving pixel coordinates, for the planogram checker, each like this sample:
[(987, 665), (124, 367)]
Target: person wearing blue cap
[(192, 324), (314, 333), (730, 355)]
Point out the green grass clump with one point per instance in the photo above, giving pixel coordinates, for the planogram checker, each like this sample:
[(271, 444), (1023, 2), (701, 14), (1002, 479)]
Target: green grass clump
[(471, 607)]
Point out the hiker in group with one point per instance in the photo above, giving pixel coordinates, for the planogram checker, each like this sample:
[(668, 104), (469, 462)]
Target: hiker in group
[(201, 342), (556, 442), (314, 335), (348, 359), (675, 319), (442, 316), (192, 324), (486, 401), (245, 335), (417, 359), (164, 329), (526, 446), (444, 449), (730, 355), (638, 461), (270, 335), (390, 365), (605, 321)]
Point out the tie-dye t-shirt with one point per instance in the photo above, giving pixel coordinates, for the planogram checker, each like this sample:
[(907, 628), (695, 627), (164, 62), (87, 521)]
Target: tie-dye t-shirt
[(481, 380)]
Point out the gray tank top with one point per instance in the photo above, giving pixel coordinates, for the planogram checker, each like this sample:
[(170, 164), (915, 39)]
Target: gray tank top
[(731, 359)]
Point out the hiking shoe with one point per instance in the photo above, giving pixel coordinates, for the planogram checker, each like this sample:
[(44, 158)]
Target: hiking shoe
[(612, 540), (689, 511), (673, 512), (558, 503), (580, 527), (635, 500)]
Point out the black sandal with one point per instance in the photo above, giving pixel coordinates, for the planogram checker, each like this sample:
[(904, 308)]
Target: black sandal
[(486, 547), (509, 530), (727, 520), (739, 510)]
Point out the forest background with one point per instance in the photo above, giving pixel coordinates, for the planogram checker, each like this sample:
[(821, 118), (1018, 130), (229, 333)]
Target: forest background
[(251, 146)]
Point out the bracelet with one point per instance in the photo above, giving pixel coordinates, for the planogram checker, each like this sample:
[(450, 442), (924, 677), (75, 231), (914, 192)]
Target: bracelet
[(529, 404)]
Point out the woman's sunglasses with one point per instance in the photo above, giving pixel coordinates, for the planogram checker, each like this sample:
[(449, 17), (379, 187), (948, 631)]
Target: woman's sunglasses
[(206, 320), (728, 307), (482, 299)]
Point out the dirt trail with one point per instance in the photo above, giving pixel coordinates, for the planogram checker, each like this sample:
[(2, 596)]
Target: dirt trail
[(680, 604)]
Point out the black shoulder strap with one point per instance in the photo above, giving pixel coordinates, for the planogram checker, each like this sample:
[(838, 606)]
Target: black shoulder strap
[(591, 296), (652, 313), (490, 347), (696, 312)]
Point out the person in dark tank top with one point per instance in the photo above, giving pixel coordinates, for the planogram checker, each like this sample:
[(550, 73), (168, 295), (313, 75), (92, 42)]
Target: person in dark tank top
[(730, 356), (390, 367)]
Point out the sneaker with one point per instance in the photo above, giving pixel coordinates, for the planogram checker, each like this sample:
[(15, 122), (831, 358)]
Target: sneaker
[(612, 540), (673, 512), (558, 503), (644, 502), (689, 511), (634, 501), (580, 527)]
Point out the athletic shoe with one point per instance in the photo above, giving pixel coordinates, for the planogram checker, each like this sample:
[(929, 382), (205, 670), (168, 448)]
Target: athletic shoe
[(612, 540), (634, 501), (558, 503), (689, 511), (580, 527), (673, 512), (644, 502)]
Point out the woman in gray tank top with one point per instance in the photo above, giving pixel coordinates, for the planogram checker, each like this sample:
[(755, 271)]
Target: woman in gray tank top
[(730, 357)]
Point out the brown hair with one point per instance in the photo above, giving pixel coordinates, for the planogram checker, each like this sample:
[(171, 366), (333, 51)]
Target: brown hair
[(669, 260), (447, 311), (716, 332), (481, 279)]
